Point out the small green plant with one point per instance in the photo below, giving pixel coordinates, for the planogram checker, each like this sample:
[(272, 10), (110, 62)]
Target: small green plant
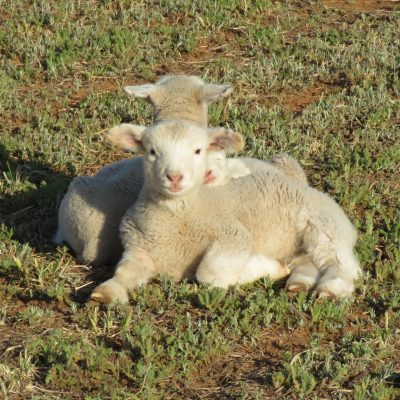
[(210, 298)]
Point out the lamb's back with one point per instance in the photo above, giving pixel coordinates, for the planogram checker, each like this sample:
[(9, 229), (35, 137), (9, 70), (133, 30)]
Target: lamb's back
[(266, 203)]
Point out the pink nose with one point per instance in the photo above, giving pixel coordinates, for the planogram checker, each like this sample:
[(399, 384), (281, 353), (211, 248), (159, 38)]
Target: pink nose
[(175, 178)]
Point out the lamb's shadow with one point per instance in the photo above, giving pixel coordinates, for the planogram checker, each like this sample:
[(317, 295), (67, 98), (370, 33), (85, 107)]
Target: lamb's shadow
[(94, 276), (29, 210)]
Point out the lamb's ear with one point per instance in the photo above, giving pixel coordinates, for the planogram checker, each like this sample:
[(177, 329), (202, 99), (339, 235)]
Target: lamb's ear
[(210, 92), (224, 139), (127, 137), (147, 91)]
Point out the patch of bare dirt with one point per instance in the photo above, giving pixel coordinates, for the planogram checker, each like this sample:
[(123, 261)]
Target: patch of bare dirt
[(4, 14), (98, 85), (246, 368), (365, 6), (297, 101), (207, 51)]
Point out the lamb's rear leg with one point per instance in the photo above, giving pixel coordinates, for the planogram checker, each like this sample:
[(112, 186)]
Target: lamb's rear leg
[(290, 167), (337, 279), (223, 268), (330, 246), (304, 274), (135, 269)]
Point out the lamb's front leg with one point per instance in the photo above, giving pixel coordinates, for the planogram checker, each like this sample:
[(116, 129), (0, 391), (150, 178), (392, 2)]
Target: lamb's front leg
[(222, 267), (135, 269)]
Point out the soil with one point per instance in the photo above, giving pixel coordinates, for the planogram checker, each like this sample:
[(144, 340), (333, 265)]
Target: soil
[(374, 6), (247, 367)]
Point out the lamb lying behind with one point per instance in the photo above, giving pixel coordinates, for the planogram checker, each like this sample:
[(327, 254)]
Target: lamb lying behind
[(221, 169), (90, 212), (225, 235)]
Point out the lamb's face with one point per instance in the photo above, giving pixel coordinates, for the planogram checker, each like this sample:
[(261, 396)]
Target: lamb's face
[(216, 168), (175, 158), (178, 153)]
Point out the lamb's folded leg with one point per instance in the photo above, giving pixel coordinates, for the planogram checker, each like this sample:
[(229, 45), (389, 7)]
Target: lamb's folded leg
[(329, 242), (337, 279), (304, 274), (222, 267), (135, 269)]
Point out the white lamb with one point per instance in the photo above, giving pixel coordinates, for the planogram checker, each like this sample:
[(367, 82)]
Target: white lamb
[(90, 212), (225, 235)]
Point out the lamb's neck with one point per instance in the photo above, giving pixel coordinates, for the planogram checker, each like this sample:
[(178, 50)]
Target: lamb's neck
[(174, 204)]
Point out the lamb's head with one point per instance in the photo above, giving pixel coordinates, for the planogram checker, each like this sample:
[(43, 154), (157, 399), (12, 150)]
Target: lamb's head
[(176, 152), (216, 173), (180, 96)]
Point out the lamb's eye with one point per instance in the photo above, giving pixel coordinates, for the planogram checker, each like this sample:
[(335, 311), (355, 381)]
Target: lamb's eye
[(198, 151), (152, 152)]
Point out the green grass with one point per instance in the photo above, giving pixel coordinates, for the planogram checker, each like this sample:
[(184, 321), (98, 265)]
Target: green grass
[(320, 83)]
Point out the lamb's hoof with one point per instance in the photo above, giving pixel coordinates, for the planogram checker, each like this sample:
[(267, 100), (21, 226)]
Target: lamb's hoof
[(297, 287), (335, 288), (106, 294), (326, 293)]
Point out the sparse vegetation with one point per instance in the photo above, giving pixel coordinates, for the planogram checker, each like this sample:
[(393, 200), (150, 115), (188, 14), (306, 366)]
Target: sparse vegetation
[(318, 79)]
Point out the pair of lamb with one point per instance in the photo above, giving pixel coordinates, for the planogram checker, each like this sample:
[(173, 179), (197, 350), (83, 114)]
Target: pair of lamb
[(185, 210)]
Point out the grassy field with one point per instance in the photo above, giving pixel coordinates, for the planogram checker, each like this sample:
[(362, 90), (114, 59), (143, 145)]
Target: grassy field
[(318, 79)]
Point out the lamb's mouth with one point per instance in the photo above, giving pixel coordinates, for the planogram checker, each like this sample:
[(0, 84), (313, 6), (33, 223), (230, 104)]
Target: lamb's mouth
[(174, 189), (209, 177)]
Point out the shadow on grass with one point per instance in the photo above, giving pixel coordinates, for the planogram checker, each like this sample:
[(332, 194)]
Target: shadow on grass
[(393, 380), (95, 276), (31, 211)]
